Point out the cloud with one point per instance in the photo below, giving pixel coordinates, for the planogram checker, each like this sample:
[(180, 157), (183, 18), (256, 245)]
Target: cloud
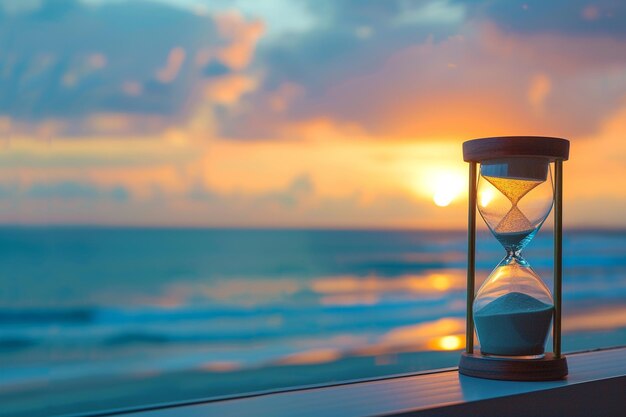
[(175, 60), (64, 190), (573, 17), (477, 81), (394, 68), (316, 62), (294, 210), (440, 12), (24, 154), (228, 89), (107, 63), (300, 188), (538, 91), (75, 190), (233, 26)]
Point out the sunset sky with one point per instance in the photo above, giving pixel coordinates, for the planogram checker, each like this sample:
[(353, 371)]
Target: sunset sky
[(287, 113)]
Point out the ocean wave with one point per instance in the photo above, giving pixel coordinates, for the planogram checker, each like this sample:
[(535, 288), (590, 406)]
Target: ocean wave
[(12, 344), (46, 316), (158, 326)]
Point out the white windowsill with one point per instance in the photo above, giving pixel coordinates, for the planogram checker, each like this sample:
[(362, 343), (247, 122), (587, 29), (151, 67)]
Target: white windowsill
[(596, 384)]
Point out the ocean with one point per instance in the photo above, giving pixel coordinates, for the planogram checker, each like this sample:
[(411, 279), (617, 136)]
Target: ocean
[(95, 318)]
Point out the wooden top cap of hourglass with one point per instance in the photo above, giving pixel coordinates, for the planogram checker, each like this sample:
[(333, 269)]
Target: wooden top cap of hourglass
[(478, 150)]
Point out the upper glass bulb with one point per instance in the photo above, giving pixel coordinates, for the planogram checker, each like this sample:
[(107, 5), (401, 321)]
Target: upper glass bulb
[(514, 198)]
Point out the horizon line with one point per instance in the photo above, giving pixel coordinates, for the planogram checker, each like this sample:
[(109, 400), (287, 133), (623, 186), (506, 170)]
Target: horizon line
[(604, 229)]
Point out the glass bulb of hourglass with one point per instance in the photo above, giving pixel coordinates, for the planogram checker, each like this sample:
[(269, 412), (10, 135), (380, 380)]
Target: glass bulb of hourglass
[(513, 308)]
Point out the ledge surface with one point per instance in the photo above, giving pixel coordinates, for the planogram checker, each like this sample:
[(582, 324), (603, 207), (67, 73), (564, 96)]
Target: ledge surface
[(441, 393)]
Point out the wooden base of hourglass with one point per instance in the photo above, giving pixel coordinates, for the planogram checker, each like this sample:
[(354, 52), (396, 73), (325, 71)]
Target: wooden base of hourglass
[(548, 368)]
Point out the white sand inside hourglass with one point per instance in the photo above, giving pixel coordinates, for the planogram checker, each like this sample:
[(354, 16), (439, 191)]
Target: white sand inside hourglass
[(514, 324)]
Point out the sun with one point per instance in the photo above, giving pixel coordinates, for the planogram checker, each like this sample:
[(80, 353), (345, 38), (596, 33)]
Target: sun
[(452, 342), (443, 197), (446, 186)]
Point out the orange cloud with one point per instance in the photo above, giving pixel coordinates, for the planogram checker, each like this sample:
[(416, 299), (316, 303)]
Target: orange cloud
[(284, 96), (538, 91), (175, 61), (243, 36), (480, 95), (228, 89)]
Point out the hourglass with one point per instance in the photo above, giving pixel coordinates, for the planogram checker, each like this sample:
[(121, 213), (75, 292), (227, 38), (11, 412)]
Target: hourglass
[(513, 310)]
